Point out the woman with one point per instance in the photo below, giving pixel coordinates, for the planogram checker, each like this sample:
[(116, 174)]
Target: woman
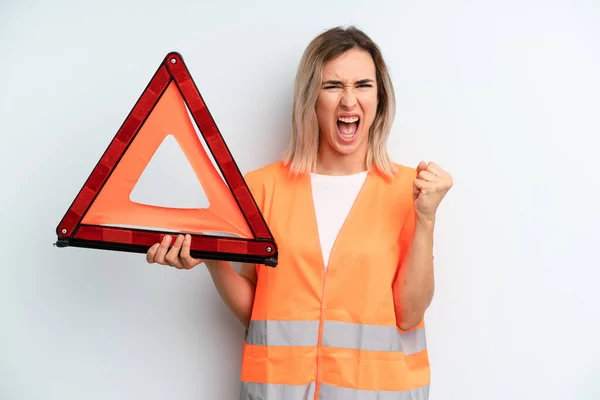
[(342, 314)]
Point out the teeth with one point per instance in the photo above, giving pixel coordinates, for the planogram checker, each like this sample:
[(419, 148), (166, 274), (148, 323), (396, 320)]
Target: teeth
[(348, 120)]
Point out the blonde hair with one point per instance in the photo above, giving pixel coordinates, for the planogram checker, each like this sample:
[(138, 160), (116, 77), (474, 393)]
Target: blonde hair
[(301, 154)]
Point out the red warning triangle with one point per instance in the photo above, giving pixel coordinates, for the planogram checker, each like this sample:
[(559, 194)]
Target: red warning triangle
[(103, 216)]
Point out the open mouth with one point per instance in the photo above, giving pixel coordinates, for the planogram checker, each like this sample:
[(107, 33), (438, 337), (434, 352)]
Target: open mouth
[(347, 127)]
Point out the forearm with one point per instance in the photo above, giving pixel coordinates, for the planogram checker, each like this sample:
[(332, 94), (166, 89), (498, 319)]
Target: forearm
[(236, 291), (414, 286)]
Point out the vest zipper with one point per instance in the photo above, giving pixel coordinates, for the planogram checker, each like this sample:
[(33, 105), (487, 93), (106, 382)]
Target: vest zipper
[(324, 269), (320, 339)]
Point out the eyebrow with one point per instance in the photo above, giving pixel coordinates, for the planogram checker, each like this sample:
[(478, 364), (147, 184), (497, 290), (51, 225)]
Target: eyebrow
[(360, 82)]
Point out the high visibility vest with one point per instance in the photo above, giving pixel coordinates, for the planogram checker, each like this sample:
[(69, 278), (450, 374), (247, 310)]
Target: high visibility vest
[(331, 333)]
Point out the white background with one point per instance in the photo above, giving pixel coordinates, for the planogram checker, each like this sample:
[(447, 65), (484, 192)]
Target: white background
[(504, 94)]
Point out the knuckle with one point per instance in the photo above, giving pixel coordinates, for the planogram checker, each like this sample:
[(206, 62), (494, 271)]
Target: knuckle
[(189, 262)]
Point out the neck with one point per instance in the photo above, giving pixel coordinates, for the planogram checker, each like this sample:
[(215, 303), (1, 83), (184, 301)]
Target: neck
[(330, 163)]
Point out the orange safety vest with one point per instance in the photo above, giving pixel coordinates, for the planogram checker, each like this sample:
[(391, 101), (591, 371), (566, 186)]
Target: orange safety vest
[(331, 333)]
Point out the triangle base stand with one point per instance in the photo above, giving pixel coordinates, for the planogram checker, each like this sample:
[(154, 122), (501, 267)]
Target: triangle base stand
[(142, 249)]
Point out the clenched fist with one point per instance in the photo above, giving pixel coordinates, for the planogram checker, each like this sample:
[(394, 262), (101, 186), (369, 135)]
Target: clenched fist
[(429, 188)]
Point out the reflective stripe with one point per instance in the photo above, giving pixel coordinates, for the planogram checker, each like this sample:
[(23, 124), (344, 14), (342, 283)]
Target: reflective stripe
[(262, 391), (413, 341), (330, 392), (336, 334), (283, 333), (372, 337)]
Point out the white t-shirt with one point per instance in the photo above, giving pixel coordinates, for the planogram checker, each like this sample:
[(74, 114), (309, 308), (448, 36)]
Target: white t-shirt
[(333, 197)]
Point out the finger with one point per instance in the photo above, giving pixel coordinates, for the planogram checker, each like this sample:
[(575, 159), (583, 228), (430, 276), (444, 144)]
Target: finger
[(172, 256), (427, 176), (162, 250), (423, 185), (422, 166), (187, 260), (418, 187), (151, 253), (435, 169), (185, 250), (416, 192)]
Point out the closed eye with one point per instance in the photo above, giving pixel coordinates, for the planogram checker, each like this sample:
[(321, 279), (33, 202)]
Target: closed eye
[(363, 83)]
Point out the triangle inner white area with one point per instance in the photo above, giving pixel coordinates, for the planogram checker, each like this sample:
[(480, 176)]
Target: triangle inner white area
[(169, 180)]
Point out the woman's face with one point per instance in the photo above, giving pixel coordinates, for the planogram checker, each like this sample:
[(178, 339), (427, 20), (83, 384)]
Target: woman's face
[(347, 103)]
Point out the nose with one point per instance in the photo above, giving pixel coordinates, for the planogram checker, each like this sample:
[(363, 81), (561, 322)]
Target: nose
[(348, 98)]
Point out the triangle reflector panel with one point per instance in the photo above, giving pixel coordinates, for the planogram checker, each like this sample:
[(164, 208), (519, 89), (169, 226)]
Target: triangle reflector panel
[(103, 216)]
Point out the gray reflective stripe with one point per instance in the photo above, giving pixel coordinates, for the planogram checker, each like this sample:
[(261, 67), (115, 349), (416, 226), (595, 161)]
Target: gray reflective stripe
[(335, 334), (262, 391), (283, 333), (372, 337), (414, 341), (329, 392)]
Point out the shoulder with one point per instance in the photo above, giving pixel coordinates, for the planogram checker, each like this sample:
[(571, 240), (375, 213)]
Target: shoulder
[(402, 184), (269, 171), (266, 176), (262, 183), (398, 188), (404, 172), (402, 178)]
